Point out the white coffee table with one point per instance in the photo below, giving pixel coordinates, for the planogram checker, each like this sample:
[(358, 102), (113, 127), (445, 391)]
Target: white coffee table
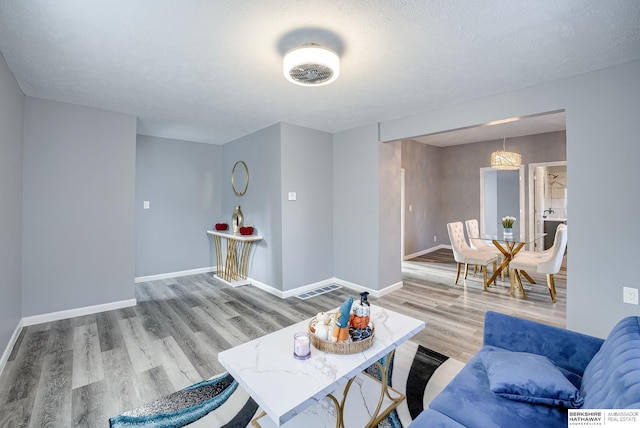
[(284, 387)]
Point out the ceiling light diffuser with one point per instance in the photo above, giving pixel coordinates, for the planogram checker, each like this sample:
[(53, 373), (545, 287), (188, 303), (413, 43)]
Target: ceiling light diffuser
[(311, 65)]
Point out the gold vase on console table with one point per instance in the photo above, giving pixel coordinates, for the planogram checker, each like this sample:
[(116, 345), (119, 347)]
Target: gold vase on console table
[(237, 220)]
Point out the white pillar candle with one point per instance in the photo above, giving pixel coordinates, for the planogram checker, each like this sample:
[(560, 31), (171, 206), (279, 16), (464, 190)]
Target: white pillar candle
[(301, 346)]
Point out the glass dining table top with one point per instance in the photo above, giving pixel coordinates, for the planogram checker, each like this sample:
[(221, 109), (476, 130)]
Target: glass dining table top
[(510, 240)]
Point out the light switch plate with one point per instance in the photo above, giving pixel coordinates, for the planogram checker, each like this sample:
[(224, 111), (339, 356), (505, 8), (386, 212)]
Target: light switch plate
[(292, 196), (145, 205)]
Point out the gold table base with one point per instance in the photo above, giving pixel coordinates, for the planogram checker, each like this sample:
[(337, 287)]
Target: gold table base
[(237, 260), (509, 253)]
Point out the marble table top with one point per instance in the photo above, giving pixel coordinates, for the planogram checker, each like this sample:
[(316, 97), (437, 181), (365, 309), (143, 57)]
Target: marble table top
[(284, 386)]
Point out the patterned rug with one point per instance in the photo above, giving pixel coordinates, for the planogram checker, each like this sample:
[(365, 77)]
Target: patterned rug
[(418, 372)]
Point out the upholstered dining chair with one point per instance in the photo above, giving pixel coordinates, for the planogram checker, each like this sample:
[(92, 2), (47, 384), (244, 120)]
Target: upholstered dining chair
[(473, 232), (465, 255), (546, 252), (549, 263)]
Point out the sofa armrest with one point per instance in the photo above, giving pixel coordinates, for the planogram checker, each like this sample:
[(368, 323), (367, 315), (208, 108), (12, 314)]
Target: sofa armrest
[(567, 349)]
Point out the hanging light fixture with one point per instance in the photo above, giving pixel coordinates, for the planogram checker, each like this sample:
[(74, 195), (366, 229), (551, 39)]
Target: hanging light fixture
[(311, 65), (502, 159)]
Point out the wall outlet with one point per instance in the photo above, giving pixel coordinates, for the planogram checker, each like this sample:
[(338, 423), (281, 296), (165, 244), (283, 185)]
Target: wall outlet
[(434, 238), (630, 295)]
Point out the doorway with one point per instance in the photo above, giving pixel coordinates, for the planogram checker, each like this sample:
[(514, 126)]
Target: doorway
[(547, 200), (501, 195)]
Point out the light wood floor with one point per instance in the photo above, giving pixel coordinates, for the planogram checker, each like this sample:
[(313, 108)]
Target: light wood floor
[(81, 371)]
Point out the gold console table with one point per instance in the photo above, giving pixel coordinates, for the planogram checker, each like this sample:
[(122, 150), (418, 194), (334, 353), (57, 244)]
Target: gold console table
[(236, 263)]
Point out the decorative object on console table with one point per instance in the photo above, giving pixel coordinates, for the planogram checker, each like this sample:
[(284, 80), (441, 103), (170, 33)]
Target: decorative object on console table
[(246, 230), (222, 226), (507, 224), (237, 219)]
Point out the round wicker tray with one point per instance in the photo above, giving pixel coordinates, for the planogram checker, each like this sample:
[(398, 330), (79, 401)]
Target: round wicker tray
[(340, 348)]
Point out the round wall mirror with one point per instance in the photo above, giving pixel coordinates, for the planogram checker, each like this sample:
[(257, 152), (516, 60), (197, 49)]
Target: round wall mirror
[(240, 178)]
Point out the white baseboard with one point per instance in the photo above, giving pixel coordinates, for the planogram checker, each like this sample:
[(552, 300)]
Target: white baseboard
[(372, 292), (10, 345), (305, 288), (78, 312), (427, 251), (175, 274), (269, 289)]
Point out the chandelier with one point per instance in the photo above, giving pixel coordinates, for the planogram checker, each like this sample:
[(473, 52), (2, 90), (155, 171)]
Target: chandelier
[(504, 160)]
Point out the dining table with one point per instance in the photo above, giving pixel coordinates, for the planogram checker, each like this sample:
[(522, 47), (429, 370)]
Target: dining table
[(509, 247)]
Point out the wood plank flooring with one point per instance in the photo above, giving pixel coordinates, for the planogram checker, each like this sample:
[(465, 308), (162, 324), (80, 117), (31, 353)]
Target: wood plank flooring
[(81, 371)]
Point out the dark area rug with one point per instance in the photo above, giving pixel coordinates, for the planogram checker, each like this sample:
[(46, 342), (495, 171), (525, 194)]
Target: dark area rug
[(418, 372)]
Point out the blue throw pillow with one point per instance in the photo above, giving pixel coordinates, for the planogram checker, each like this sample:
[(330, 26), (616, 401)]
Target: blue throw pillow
[(530, 378)]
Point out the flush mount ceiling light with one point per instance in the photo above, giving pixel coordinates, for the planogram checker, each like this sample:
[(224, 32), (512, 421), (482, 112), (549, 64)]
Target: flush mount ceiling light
[(311, 65), (504, 160)]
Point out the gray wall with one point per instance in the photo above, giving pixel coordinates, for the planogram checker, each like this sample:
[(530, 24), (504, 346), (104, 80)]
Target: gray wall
[(356, 206), (307, 223), (11, 129), (298, 243), (389, 254), (182, 182), (262, 204), (78, 218), (601, 110), (421, 163)]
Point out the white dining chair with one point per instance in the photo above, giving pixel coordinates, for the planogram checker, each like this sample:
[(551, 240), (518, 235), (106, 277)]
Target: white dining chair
[(549, 250), (465, 255), (549, 264), (473, 232)]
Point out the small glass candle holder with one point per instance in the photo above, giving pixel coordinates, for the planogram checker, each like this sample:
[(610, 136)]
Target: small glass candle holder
[(301, 346)]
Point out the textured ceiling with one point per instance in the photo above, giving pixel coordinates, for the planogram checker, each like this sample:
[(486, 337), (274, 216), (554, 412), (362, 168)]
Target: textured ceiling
[(211, 70)]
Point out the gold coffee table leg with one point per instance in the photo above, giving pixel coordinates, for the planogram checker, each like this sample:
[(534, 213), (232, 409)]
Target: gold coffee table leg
[(385, 391), (254, 421)]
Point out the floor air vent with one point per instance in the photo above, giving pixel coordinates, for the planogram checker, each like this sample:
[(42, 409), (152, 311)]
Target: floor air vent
[(318, 291)]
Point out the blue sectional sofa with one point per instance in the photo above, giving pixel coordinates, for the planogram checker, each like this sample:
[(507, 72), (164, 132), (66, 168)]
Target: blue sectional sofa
[(510, 383)]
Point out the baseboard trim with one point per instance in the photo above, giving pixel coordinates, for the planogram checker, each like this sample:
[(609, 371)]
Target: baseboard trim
[(78, 312), (427, 251), (174, 274), (265, 287), (372, 292), (12, 341), (305, 288)]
